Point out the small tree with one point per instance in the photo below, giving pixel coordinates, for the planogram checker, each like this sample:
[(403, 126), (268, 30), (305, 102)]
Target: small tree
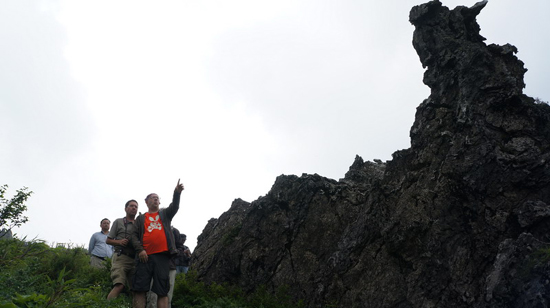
[(11, 211)]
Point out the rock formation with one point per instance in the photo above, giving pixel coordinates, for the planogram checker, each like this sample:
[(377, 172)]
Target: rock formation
[(460, 219)]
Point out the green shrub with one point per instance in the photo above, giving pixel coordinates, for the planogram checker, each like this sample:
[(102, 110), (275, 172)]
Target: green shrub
[(34, 275), (76, 263), (19, 267), (190, 292)]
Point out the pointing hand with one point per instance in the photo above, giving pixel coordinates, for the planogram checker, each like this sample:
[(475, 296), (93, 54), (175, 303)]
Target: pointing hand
[(179, 187)]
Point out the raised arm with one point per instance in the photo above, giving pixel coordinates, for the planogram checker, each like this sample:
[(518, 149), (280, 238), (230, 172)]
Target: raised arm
[(175, 205), (179, 187)]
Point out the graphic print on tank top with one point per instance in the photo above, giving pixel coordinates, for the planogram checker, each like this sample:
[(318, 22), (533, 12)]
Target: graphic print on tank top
[(154, 224), (154, 239)]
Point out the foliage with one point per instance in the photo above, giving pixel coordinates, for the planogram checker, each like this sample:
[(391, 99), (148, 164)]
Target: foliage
[(230, 236), (32, 274), (11, 211), (190, 292)]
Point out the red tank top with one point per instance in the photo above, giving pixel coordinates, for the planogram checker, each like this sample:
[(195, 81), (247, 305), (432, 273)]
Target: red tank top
[(154, 239)]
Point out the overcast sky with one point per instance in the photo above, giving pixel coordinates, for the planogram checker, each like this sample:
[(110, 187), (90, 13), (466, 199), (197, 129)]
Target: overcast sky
[(106, 101)]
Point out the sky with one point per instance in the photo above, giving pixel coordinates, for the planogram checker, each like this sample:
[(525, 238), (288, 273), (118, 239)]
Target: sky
[(106, 101)]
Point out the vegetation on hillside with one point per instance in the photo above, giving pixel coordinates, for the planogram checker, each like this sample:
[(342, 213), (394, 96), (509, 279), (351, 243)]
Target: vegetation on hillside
[(33, 274), (11, 210)]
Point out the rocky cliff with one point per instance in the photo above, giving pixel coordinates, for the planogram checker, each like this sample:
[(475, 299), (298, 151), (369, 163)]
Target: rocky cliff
[(460, 219)]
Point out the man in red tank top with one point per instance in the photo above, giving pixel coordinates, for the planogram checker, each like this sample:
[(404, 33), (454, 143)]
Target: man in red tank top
[(154, 243)]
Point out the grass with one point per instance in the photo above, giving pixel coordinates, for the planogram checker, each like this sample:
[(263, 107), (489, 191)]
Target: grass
[(32, 274)]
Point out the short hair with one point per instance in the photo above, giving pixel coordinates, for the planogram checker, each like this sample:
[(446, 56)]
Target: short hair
[(149, 195), (107, 219), (183, 236), (128, 203)]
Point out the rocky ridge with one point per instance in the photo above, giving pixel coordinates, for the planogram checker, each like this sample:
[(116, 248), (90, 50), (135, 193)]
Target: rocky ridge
[(460, 219)]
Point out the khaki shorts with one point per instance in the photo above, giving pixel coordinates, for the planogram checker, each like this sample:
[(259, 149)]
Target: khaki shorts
[(97, 262), (122, 270)]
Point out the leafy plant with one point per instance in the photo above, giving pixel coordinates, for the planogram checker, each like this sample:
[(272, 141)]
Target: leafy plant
[(33, 300), (190, 292), (32, 274), (11, 210)]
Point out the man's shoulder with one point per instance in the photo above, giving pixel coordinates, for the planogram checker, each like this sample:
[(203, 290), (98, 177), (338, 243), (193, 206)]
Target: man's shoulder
[(99, 235), (139, 218)]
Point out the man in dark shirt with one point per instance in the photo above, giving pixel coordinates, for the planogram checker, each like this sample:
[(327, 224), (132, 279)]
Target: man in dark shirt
[(184, 256), (154, 243)]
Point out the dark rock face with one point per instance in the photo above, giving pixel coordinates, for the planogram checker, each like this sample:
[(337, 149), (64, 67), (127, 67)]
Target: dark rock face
[(461, 219)]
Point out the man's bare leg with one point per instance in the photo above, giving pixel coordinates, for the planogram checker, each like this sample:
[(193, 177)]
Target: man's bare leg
[(162, 302), (115, 292), (139, 300)]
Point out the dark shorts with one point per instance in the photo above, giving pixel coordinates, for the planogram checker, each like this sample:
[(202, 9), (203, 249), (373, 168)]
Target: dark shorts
[(156, 268)]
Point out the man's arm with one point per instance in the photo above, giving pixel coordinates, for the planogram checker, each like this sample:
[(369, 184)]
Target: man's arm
[(136, 241), (113, 234), (113, 242), (91, 245), (135, 237), (111, 237), (186, 251), (175, 205)]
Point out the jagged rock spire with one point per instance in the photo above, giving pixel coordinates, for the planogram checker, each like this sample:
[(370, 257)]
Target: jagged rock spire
[(461, 219)]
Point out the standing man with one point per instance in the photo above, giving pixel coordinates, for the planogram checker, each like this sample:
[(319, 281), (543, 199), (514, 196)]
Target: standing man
[(184, 256), (154, 243), (152, 296), (98, 248), (123, 268)]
